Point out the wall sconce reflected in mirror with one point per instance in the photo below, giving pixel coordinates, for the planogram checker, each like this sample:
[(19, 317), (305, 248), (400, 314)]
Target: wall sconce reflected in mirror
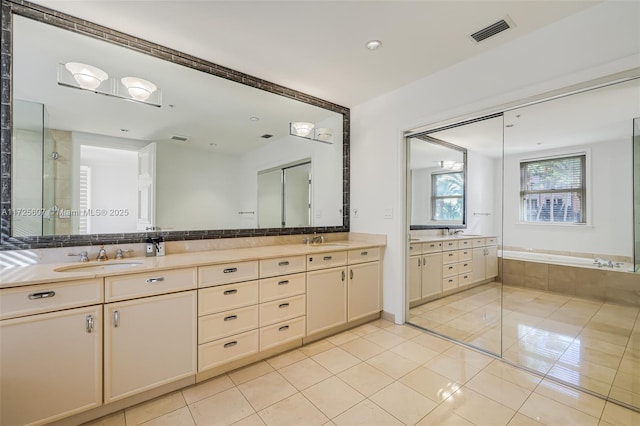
[(309, 131), (87, 77), (451, 165)]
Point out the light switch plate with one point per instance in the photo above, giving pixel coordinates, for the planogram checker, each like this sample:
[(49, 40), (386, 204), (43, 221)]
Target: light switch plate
[(388, 213)]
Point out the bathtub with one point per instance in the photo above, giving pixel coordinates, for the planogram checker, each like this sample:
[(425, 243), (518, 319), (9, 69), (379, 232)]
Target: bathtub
[(556, 259)]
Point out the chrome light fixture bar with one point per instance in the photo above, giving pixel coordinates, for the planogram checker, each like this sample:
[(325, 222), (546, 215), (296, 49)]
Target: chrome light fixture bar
[(303, 129), (87, 77)]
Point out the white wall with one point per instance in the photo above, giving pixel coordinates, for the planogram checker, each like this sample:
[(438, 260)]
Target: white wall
[(610, 216), (564, 53)]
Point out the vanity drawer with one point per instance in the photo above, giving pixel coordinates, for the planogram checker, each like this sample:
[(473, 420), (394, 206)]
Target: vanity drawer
[(450, 245), (363, 255), (227, 273), (326, 260), (130, 286), (415, 248), (226, 297), (492, 241), (465, 254), (279, 287), (226, 350), (465, 267), (450, 257), (282, 266), (433, 247), (463, 244), (464, 279), (449, 283), (223, 324), (282, 310), (34, 299), (479, 242), (282, 332), (450, 270)]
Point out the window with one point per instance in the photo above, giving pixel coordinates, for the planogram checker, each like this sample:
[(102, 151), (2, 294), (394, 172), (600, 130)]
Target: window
[(553, 190), (447, 191)]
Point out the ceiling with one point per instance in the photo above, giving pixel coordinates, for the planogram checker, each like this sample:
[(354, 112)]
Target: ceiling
[(318, 47)]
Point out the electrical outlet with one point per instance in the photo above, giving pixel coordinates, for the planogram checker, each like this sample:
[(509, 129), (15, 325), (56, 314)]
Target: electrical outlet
[(160, 251), (150, 250), (356, 213), (388, 213)]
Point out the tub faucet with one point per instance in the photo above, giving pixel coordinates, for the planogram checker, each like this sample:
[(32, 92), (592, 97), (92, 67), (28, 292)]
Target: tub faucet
[(603, 262)]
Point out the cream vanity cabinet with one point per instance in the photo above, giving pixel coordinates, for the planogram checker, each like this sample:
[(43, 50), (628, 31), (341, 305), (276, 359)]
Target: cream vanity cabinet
[(485, 259), (326, 291), (425, 270), (363, 289), (457, 268), (149, 331), (50, 351)]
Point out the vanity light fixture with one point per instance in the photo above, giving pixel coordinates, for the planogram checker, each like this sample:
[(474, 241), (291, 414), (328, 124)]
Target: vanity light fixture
[(451, 165), (302, 128), (374, 44), (309, 131), (87, 76), (138, 88)]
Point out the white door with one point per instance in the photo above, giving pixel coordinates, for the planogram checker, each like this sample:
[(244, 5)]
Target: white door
[(146, 188)]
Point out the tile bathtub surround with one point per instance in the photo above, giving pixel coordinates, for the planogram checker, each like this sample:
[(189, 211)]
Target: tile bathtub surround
[(590, 283), (362, 392)]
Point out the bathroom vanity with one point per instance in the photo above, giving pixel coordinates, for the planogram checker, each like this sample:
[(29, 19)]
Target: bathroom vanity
[(87, 339)]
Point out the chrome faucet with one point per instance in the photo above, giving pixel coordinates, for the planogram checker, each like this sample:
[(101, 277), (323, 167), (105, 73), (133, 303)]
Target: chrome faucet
[(317, 239), (603, 262), (102, 254), (120, 253), (84, 256)]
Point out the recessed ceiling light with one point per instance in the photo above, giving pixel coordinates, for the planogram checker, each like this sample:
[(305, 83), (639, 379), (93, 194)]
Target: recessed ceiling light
[(374, 44), (509, 125), (254, 118)]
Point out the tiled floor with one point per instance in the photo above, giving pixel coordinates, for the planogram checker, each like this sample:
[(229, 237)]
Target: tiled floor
[(590, 344), (377, 374)]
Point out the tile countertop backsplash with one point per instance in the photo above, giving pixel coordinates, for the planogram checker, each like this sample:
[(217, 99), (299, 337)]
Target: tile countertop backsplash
[(26, 267)]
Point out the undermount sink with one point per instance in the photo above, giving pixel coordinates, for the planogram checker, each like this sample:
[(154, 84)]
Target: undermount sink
[(99, 267), (329, 245)]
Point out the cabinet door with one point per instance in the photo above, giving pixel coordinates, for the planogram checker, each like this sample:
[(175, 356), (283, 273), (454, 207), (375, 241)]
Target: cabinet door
[(478, 264), (431, 274), (491, 262), (326, 299), (415, 274), (363, 292), (51, 365), (149, 342)]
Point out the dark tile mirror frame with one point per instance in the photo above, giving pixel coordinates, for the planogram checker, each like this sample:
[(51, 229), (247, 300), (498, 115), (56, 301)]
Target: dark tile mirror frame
[(70, 23)]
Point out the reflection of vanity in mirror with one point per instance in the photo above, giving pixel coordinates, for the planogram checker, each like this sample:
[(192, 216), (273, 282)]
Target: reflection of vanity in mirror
[(86, 163)]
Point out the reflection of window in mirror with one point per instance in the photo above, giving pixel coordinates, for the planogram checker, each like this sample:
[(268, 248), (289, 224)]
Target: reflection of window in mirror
[(447, 192), (553, 190)]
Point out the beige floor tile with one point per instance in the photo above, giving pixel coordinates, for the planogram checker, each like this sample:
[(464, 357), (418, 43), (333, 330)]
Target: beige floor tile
[(532, 361), (454, 369), (223, 408), (336, 360), (250, 372), (443, 415), (512, 374), (180, 417), (575, 377), (382, 323), (384, 338), (430, 384), (252, 420), (317, 347), (414, 352), (477, 408), (295, 410), (366, 413), (305, 373), (499, 390), (155, 408), (522, 420), (620, 416), (468, 356), (333, 396), (204, 389), (403, 403), (403, 331), (266, 390), (286, 359), (115, 419), (576, 353), (625, 396), (365, 379), (364, 329), (392, 364), (362, 348), (342, 338), (434, 343), (550, 412)]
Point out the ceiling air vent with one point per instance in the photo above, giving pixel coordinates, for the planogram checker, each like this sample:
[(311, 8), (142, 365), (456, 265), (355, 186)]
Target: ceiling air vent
[(491, 30), (266, 136), (179, 138)]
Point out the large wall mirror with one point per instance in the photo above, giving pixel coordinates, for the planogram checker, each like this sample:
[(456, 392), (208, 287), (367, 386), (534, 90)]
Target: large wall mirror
[(99, 156)]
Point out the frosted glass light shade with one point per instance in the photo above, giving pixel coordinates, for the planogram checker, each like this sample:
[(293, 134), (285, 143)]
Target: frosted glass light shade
[(302, 128), (87, 76), (324, 134), (138, 88)]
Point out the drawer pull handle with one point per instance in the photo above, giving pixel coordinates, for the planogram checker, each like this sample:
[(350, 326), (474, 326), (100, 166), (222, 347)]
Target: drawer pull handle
[(351, 274), (230, 270), (231, 318), (285, 263), (432, 245), (230, 344), (283, 282), (327, 258), (228, 292), (89, 324), (364, 253), (154, 280), (283, 305), (283, 328), (41, 295), (466, 264), (450, 267), (343, 275), (116, 319)]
